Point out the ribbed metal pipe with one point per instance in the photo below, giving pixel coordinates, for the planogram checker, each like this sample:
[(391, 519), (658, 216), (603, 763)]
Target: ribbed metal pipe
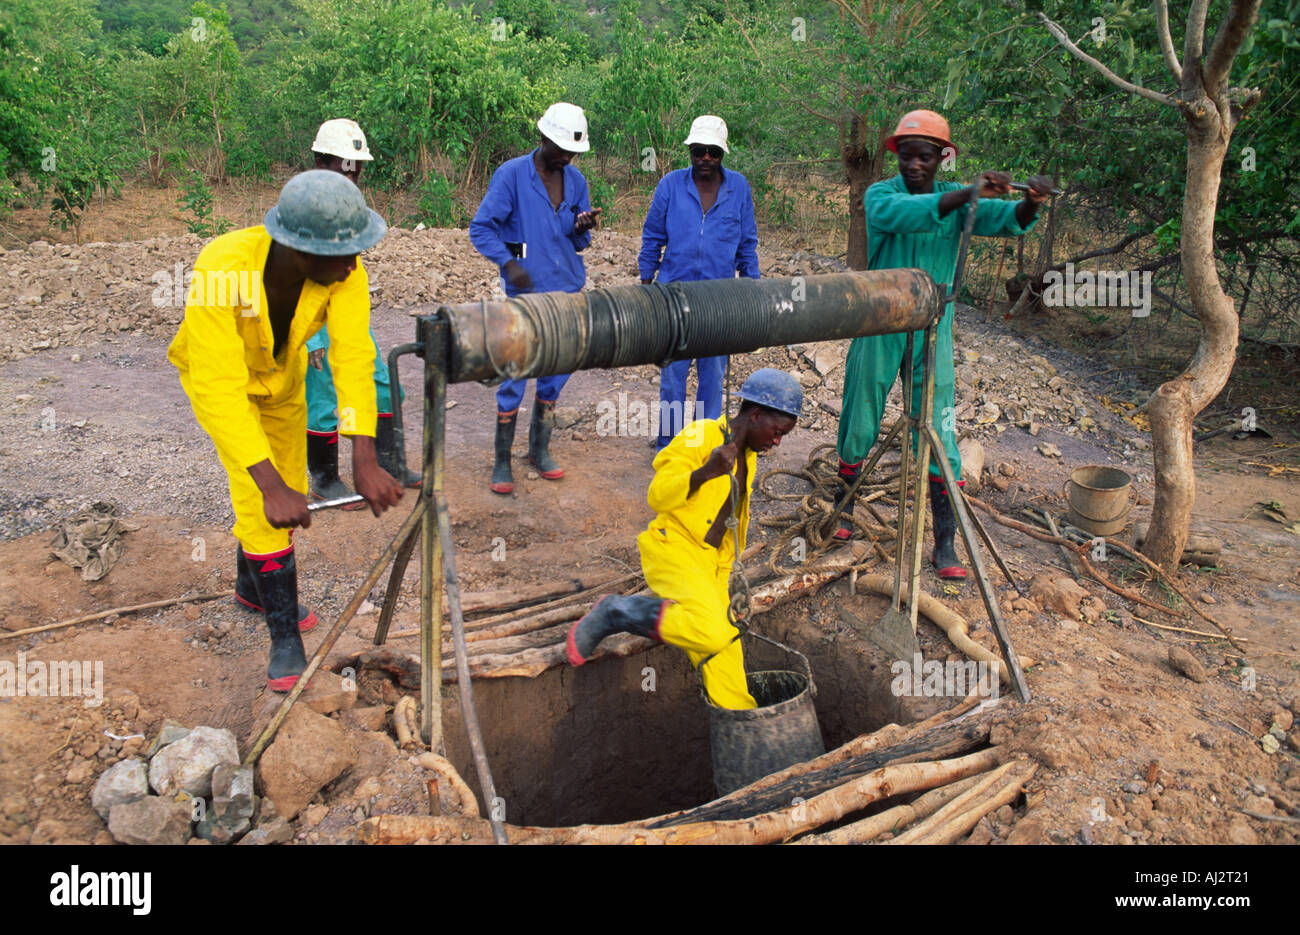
[(560, 332)]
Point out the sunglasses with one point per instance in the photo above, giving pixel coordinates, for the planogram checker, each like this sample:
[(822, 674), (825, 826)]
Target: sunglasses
[(699, 152)]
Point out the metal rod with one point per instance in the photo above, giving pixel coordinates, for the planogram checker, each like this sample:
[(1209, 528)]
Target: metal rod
[(463, 682), (981, 574), (993, 550), (335, 632), (1024, 187), (394, 586), (921, 470), (839, 504), (336, 501), (904, 472), (395, 386), (433, 337)]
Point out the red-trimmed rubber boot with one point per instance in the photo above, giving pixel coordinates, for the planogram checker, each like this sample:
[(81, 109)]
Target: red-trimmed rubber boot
[(277, 587), (613, 613), (246, 592), (502, 480), (539, 440), (945, 557), (848, 474)]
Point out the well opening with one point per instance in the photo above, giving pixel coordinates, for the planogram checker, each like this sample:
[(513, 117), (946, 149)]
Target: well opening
[(626, 738)]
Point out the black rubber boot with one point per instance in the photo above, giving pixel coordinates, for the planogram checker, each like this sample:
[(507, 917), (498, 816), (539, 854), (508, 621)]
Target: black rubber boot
[(323, 466), (945, 557), (389, 458), (277, 589), (848, 474), (613, 613), (246, 591), (502, 480), (539, 440)]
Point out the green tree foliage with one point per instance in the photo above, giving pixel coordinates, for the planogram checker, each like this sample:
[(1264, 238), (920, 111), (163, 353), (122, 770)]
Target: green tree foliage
[(435, 89), (59, 129)]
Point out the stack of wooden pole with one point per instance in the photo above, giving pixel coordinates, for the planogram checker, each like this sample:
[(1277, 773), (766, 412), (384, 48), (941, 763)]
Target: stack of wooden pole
[(944, 756)]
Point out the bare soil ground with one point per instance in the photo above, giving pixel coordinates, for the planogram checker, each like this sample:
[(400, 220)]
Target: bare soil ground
[(90, 410)]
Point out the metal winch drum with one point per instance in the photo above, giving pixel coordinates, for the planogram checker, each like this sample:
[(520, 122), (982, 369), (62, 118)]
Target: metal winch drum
[(756, 742)]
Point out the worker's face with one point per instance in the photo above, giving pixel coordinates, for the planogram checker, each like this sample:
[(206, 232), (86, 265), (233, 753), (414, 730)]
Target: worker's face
[(918, 161), (768, 427), (554, 158), (705, 161), (325, 270), (348, 168)]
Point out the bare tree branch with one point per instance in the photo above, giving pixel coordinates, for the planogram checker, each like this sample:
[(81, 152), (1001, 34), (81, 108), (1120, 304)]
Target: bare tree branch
[(1166, 42), (1228, 41), (1193, 44), (1105, 72)]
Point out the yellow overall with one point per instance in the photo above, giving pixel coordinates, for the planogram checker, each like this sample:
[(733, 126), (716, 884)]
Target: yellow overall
[(680, 566), (251, 403)]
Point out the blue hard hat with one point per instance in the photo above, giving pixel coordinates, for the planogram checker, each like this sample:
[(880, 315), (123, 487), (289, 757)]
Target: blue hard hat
[(323, 213), (774, 389)]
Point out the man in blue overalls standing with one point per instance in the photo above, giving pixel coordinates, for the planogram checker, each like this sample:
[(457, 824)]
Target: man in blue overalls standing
[(533, 222)]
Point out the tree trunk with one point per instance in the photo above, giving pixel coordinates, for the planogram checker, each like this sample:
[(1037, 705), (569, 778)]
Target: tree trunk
[(1177, 403), (863, 158)]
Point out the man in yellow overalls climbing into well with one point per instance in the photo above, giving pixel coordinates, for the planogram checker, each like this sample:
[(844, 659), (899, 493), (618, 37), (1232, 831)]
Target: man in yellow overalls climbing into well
[(687, 551), (257, 295)]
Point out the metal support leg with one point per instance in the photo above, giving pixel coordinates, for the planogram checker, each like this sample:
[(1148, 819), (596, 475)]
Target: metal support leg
[(433, 336), (922, 422), (981, 575)]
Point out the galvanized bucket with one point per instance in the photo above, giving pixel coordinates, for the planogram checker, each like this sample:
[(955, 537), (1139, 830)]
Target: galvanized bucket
[(753, 743), (1099, 499)]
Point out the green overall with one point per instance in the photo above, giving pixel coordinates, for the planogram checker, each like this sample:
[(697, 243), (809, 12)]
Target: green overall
[(904, 231)]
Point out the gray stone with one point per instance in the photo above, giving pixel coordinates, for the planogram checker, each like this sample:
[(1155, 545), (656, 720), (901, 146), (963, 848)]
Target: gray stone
[(171, 732), (127, 781), (187, 764), (151, 820), (232, 792)]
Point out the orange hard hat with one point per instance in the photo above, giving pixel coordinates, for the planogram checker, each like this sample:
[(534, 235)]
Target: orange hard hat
[(924, 123)]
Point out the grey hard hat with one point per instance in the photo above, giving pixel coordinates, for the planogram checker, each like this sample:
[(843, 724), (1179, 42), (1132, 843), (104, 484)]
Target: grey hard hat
[(774, 389), (322, 212)]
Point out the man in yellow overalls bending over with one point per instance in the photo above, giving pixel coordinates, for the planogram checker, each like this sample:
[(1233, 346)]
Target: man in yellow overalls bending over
[(686, 553), (257, 295)]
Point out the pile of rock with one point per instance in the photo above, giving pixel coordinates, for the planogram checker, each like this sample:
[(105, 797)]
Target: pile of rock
[(188, 784)]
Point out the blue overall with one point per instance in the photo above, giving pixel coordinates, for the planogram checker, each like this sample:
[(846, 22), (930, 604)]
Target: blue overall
[(517, 210), (683, 243)]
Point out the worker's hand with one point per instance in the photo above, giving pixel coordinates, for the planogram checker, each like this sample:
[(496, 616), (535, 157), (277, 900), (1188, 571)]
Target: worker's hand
[(379, 487), (722, 459), (586, 221), (1040, 188), (316, 358), (993, 183), (285, 508), (518, 276)]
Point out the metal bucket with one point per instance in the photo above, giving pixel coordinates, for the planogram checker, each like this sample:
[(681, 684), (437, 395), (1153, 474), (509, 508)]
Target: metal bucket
[(1099, 499), (753, 743)]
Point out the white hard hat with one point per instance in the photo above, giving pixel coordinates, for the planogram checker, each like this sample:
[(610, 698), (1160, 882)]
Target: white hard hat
[(708, 131), (342, 138), (565, 125)]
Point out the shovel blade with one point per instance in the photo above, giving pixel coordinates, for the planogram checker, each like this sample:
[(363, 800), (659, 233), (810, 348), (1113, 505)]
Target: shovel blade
[(894, 634)]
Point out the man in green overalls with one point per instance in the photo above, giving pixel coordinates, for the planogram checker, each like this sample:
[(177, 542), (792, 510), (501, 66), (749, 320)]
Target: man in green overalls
[(914, 222)]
